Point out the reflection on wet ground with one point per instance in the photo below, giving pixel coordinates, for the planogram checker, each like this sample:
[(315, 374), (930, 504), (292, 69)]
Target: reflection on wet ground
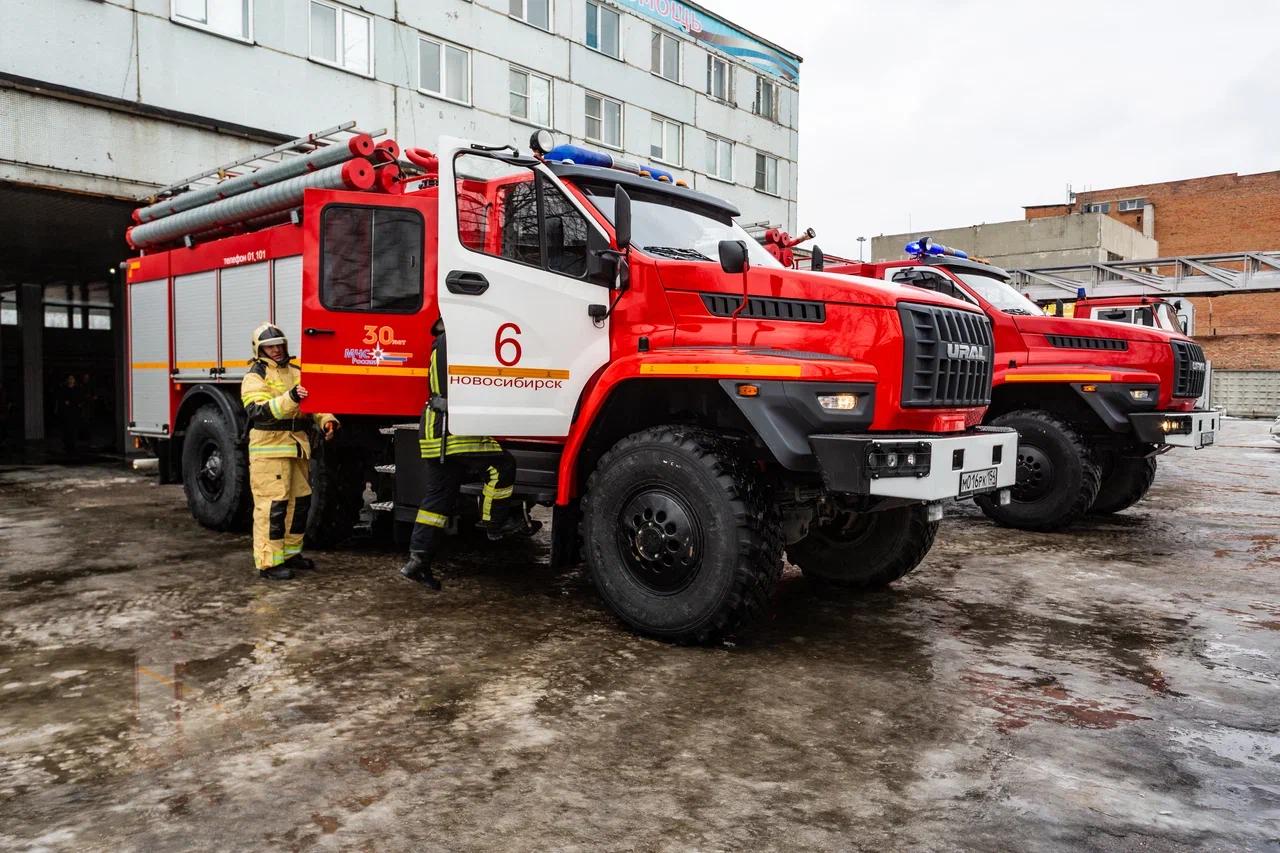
[(1112, 688)]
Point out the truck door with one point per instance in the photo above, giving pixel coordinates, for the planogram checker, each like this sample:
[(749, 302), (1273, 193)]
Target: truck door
[(519, 269), (367, 304)]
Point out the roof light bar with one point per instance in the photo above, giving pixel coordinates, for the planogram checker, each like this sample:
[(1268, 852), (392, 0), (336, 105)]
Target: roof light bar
[(580, 156), (926, 246)]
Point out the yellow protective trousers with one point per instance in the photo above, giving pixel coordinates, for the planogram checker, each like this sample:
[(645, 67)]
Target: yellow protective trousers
[(281, 503)]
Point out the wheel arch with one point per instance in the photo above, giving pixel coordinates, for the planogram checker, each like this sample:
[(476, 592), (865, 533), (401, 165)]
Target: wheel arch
[(1054, 397)]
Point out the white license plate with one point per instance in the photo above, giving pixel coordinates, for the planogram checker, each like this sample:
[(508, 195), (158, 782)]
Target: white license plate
[(1206, 438), (977, 481)]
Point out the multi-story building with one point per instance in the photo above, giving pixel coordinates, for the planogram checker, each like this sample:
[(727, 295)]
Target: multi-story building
[(102, 101)]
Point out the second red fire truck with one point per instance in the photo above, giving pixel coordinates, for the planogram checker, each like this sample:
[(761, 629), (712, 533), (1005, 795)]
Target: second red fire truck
[(1094, 402), (688, 407)]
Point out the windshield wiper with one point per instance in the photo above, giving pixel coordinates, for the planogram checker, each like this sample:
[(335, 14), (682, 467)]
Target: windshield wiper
[(1017, 311), (677, 253)]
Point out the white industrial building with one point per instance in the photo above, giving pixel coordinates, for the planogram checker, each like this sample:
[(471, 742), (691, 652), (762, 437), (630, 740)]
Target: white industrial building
[(102, 101)]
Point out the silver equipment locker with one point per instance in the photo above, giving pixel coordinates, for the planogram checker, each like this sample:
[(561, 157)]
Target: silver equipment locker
[(288, 281), (195, 325), (246, 304), (149, 356)]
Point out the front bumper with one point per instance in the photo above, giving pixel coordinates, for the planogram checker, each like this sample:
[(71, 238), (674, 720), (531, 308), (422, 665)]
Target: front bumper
[(1194, 429), (959, 466)]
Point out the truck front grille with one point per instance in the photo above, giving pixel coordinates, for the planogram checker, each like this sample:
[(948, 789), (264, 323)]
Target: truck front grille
[(947, 356), (1188, 369)]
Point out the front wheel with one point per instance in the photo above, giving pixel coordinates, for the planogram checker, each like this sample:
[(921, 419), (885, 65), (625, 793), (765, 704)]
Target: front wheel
[(1057, 476), (1124, 483), (865, 550), (679, 535)]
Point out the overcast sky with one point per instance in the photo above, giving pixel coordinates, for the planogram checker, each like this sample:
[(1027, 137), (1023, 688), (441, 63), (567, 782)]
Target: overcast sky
[(920, 114)]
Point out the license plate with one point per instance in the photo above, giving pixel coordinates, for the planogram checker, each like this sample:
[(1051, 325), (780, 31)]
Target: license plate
[(983, 480), (1206, 438)]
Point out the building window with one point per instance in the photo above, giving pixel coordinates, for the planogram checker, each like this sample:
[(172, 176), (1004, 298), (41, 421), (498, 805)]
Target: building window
[(1098, 207), (8, 309), (341, 37), (766, 173), (530, 97), (536, 12), (444, 70), (664, 141), (603, 26), (1130, 204), (604, 120), (717, 78), (100, 319), (232, 18), (766, 103), (371, 258), (666, 56), (720, 158)]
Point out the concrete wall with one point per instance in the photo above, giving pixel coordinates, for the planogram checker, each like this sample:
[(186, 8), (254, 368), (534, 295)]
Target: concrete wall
[(1247, 393), (129, 52), (1039, 242)]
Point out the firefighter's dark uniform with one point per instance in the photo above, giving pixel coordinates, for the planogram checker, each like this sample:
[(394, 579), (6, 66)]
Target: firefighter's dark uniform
[(452, 460), (279, 454)]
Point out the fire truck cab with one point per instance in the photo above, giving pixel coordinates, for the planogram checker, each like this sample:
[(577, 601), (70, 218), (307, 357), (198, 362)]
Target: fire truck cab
[(687, 407), (1154, 312), (1094, 403)]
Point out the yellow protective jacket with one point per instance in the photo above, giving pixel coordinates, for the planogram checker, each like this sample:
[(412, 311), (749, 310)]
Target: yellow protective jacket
[(432, 427), (276, 426)]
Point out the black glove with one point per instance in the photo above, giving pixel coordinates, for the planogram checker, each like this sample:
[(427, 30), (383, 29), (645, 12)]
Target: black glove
[(293, 392)]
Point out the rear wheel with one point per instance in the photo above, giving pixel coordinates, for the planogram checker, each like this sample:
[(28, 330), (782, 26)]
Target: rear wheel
[(679, 535), (1058, 478), (865, 550), (337, 494), (1124, 482), (215, 472)]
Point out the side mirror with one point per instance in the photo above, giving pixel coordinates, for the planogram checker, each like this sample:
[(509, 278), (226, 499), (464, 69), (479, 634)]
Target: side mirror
[(733, 256), (1182, 323), (622, 217), (817, 260)]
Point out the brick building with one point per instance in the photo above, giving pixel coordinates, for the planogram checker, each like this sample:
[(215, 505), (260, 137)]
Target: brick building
[(1197, 216)]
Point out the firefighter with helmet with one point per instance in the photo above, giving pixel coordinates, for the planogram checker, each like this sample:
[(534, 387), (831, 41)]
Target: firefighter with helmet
[(452, 460), (279, 454)]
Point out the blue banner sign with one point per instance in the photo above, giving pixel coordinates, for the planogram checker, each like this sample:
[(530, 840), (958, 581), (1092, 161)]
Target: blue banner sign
[(719, 34)]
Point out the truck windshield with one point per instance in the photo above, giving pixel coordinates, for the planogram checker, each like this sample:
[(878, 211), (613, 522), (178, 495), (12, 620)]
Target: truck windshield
[(999, 293), (1167, 317), (683, 230)]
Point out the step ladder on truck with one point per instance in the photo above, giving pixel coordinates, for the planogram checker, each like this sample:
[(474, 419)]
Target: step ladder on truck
[(687, 407)]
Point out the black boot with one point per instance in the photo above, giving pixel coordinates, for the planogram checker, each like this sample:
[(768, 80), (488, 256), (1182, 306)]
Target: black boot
[(513, 525), (276, 573), (419, 569), (297, 561)]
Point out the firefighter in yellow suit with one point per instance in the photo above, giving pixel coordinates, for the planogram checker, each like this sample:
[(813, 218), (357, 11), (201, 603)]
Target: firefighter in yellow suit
[(279, 454)]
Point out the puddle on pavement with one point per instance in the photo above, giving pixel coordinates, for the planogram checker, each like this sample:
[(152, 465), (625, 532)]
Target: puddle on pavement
[(27, 580)]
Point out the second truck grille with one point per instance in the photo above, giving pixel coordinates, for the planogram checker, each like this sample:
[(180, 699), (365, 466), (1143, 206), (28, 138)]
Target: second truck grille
[(947, 356), (1188, 369)]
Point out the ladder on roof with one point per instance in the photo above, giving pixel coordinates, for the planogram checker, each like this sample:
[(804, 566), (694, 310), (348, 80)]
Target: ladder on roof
[(337, 135)]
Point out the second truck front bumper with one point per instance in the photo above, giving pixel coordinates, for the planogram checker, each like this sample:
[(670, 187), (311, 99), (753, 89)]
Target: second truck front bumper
[(919, 467), (1194, 429)]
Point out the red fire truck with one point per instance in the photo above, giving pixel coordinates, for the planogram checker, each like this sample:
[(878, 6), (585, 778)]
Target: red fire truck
[(688, 407), (1094, 403)]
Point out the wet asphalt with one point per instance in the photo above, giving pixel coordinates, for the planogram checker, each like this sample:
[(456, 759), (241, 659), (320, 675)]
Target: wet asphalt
[(1113, 688)]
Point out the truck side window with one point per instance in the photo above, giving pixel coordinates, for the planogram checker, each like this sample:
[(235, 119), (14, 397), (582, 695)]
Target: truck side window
[(931, 281), (527, 218), (371, 259)]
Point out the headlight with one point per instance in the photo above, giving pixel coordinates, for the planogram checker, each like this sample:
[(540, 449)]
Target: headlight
[(844, 402), (898, 459), (1176, 426), (1143, 394)]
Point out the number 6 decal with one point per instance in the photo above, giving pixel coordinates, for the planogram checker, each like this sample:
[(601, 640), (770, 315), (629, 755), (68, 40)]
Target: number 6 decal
[(501, 344)]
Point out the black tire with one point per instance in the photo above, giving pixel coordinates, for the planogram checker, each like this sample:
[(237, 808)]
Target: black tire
[(1058, 477), (1124, 482), (865, 550), (680, 537), (215, 471), (337, 494)]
